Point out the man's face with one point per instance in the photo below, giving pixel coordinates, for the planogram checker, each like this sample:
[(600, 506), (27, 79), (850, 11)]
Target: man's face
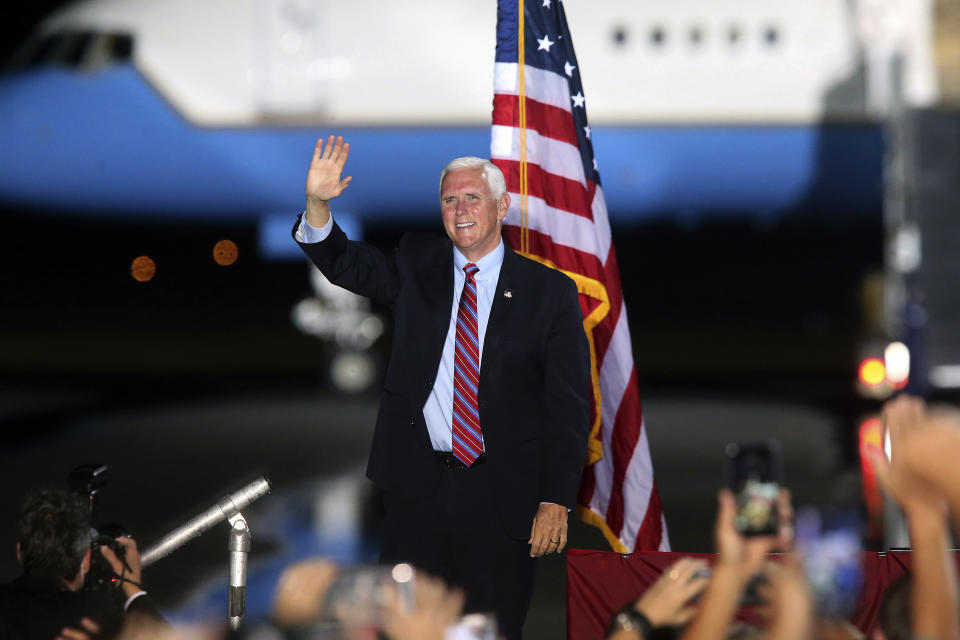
[(471, 215)]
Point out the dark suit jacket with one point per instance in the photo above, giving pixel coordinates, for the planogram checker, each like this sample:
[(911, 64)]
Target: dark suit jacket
[(534, 373), (36, 606)]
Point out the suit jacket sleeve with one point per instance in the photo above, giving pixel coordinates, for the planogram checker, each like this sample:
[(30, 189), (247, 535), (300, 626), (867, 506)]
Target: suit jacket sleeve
[(566, 401), (357, 267)]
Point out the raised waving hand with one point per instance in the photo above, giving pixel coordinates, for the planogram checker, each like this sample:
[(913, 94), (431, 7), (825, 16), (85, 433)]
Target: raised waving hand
[(323, 178)]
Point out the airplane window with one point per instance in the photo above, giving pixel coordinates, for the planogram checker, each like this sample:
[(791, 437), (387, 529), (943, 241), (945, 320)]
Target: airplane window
[(619, 36), (73, 49), (108, 48), (658, 36), (121, 47), (772, 36), (696, 36), (733, 34)]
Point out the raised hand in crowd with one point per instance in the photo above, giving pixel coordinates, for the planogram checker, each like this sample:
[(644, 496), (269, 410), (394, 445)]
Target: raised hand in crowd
[(437, 607), (746, 555), (665, 603), (926, 445), (788, 600), (921, 477), (299, 596), (739, 559)]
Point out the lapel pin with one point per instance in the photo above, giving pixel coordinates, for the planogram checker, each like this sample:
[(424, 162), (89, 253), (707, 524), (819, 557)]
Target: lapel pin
[(507, 293)]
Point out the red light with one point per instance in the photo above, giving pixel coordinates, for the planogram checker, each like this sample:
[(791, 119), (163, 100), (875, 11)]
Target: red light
[(872, 372), (871, 437)]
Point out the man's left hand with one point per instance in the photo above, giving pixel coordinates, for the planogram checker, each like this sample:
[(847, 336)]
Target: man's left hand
[(549, 531)]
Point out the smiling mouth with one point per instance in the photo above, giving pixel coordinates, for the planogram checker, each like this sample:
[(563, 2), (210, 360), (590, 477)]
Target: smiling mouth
[(464, 225)]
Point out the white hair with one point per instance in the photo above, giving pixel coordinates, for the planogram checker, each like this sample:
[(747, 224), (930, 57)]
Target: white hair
[(491, 173)]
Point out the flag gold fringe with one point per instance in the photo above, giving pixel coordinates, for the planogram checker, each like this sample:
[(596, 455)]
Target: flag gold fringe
[(522, 104), (596, 290), (586, 286), (592, 518)]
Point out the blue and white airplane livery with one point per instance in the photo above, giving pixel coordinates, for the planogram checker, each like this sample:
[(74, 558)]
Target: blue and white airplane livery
[(205, 109)]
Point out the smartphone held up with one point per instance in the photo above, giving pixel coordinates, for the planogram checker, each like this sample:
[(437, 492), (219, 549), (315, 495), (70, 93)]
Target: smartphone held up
[(754, 476)]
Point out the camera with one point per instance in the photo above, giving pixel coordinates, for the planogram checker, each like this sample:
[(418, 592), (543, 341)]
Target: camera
[(86, 481)]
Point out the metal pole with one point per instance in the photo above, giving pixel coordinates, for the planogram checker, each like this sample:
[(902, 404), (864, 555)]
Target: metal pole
[(227, 507), (239, 550)]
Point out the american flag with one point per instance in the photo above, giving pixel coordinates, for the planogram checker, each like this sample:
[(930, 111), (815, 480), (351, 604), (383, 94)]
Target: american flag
[(540, 139)]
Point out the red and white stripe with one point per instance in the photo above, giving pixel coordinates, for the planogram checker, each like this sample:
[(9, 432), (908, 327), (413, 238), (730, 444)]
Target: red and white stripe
[(566, 223)]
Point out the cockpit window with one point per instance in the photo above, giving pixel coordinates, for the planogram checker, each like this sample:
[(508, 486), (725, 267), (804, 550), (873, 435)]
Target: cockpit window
[(72, 47), (106, 49), (85, 50)]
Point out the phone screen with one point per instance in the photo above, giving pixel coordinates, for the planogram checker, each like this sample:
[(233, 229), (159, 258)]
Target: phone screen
[(754, 477), (831, 541)]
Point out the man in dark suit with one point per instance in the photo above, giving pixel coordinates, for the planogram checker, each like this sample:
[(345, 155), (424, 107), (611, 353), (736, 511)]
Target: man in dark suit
[(480, 438), (48, 600)]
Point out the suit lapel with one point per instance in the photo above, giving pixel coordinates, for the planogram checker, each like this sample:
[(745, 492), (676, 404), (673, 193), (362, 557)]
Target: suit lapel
[(438, 294), (434, 281), (501, 312)]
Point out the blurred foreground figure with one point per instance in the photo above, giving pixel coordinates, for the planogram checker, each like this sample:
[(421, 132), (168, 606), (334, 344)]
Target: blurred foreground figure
[(308, 604), (693, 602), (923, 478), (48, 600)]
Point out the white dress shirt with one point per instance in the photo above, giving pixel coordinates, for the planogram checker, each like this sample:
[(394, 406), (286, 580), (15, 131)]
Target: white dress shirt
[(438, 409)]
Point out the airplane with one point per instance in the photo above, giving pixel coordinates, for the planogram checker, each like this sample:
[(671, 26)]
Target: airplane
[(183, 111)]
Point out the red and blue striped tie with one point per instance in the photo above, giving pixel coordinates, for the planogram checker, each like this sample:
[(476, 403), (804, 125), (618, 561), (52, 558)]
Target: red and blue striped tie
[(467, 438)]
